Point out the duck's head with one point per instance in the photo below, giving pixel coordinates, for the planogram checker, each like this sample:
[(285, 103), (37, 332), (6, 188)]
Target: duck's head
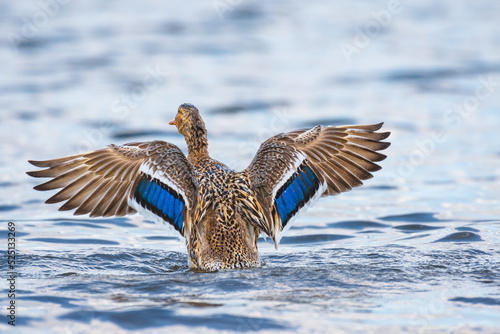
[(188, 120)]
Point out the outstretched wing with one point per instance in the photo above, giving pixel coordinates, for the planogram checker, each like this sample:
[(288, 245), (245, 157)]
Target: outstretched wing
[(154, 178), (292, 170)]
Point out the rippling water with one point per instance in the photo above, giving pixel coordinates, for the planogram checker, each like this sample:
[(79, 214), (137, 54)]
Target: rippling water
[(415, 249)]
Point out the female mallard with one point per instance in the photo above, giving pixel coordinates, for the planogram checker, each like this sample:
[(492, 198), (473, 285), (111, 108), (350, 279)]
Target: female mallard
[(220, 212)]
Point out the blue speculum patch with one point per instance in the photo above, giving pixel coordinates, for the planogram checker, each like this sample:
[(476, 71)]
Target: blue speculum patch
[(296, 192), (160, 199)]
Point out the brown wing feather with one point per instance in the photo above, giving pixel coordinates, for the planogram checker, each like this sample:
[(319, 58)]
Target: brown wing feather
[(348, 165), (342, 157), (100, 183)]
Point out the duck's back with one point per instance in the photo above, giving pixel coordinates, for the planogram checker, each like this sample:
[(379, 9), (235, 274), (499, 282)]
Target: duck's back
[(222, 237)]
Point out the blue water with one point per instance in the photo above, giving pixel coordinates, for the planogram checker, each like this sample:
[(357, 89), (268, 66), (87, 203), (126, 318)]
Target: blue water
[(415, 249)]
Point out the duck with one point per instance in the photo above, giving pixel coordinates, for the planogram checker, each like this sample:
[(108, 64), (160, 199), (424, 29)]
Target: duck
[(219, 212)]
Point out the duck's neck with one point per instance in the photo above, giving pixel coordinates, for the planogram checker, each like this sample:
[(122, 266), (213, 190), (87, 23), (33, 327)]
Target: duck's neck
[(196, 141)]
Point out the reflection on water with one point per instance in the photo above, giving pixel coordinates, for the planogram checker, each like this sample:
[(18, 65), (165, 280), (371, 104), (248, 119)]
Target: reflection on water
[(416, 247)]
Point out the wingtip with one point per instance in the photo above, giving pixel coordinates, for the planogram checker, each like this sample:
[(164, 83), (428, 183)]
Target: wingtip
[(45, 163), (55, 162), (378, 126), (363, 128), (39, 187), (381, 157), (52, 200), (384, 145), (36, 163), (384, 135)]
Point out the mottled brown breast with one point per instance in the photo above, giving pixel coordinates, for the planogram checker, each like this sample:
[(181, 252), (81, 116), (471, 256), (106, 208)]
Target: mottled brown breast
[(222, 237)]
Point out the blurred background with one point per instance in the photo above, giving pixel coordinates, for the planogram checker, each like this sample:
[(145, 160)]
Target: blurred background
[(416, 247)]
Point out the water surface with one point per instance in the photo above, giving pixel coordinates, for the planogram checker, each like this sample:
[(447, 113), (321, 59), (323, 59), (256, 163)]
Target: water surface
[(415, 249)]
